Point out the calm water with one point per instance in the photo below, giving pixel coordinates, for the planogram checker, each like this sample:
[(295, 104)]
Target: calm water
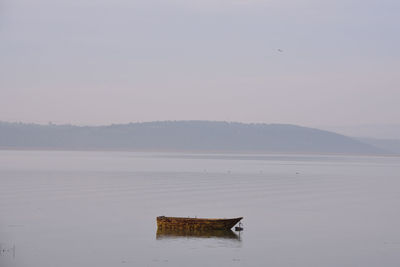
[(99, 209)]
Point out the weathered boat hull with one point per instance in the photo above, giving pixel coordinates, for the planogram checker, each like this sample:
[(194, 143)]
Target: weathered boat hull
[(182, 223)]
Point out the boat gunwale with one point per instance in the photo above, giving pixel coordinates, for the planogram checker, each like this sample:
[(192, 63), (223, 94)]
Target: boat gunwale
[(200, 219)]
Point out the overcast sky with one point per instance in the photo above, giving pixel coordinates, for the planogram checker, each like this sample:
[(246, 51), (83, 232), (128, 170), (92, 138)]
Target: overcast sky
[(306, 62)]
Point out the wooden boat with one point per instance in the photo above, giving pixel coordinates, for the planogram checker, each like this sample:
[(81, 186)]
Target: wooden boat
[(195, 223), (163, 233)]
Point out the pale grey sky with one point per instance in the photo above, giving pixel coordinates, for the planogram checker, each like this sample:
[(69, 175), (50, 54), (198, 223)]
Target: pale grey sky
[(118, 61)]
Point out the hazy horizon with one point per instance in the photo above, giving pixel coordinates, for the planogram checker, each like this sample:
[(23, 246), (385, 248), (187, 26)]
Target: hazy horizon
[(378, 131), (189, 136), (305, 62)]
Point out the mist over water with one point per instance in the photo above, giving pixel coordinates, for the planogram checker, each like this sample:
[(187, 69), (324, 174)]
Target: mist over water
[(61, 208)]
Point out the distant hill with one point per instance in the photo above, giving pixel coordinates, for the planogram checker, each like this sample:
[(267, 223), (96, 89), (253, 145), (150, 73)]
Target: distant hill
[(378, 131), (206, 136), (390, 145)]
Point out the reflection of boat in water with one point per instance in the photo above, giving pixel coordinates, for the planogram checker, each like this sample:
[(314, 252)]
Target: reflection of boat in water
[(182, 223), (163, 233)]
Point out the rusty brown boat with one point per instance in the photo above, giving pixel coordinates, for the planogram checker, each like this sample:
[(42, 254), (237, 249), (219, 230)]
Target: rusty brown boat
[(184, 223)]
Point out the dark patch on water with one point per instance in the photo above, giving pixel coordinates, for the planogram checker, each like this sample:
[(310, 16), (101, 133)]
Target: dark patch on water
[(7, 250)]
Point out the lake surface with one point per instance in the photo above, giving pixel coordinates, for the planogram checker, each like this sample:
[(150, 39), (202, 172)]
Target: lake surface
[(61, 208)]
